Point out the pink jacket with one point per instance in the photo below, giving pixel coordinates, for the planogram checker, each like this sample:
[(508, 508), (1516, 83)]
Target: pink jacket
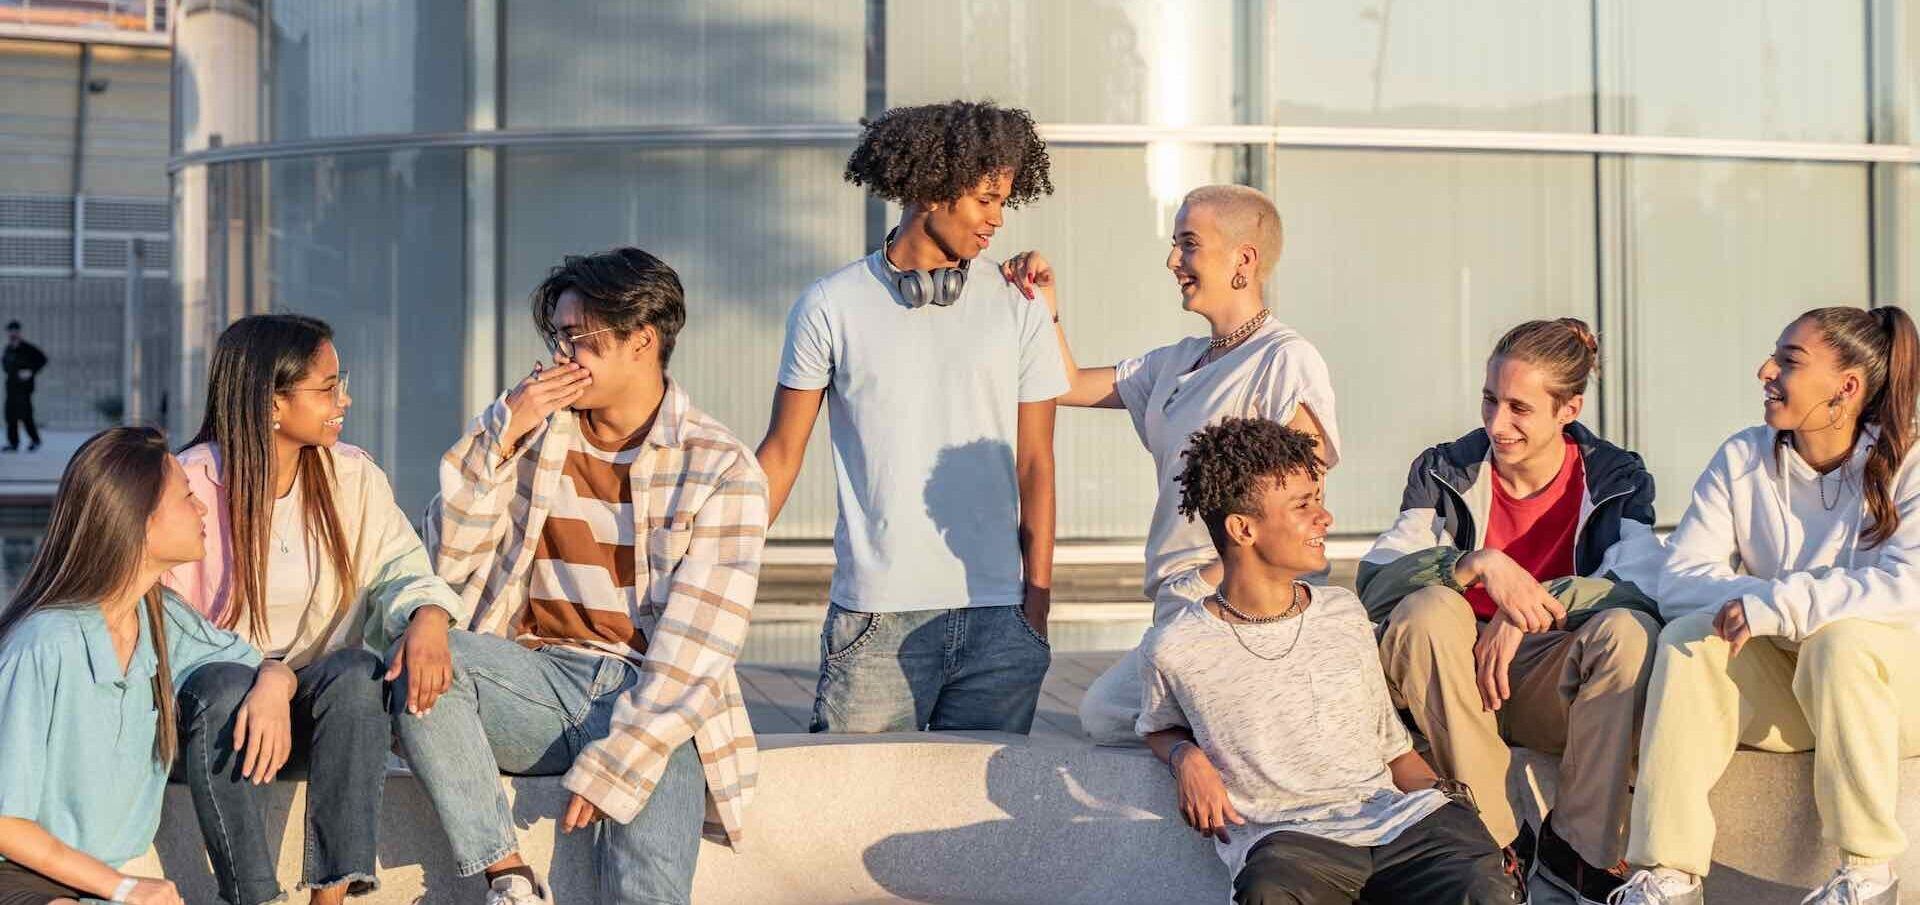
[(393, 576)]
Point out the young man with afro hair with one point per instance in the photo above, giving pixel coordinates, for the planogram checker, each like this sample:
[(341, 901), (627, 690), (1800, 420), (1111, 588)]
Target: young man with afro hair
[(939, 378), (1267, 702)]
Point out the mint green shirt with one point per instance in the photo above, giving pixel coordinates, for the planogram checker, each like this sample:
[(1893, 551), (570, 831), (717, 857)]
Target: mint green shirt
[(76, 735)]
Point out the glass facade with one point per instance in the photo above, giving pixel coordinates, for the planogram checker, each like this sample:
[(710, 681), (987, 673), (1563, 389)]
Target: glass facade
[(1686, 178)]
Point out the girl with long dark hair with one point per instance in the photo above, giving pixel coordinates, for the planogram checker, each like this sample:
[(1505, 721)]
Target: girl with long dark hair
[(92, 651), (1793, 590), (312, 560)]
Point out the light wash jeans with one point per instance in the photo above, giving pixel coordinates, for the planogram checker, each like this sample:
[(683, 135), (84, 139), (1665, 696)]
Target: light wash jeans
[(972, 668), (530, 713)]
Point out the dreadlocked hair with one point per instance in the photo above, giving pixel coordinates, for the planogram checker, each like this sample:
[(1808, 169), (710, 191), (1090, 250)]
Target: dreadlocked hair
[(938, 152), (1228, 462)]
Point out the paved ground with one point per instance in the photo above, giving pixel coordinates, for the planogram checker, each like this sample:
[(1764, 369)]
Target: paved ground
[(780, 697), (31, 477)]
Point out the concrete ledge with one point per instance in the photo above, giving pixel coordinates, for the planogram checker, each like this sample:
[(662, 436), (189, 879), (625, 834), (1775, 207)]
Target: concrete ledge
[(913, 817), (985, 818), (1767, 849)]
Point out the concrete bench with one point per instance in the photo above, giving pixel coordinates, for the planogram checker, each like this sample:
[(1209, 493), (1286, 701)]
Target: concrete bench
[(980, 817)]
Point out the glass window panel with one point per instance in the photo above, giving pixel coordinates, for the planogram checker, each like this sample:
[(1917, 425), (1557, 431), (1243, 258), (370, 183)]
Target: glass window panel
[(1464, 64), (1069, 61), (372, 243), (589, 63), (1404, 268), (1721, 256), (1899, 238), (1787, 70), (746, 229), (358, 68)]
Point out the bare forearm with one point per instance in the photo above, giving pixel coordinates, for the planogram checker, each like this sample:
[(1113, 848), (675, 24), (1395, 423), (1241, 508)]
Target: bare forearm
[(782, 468), (1411, 773), (785, 446), (1037, 521), (24, 842), (1161, 743)]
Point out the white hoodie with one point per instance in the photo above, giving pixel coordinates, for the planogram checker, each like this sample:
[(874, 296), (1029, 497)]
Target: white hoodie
[(1739, 535)]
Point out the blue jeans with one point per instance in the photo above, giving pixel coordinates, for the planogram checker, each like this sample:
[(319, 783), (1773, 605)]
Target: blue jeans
[(341, 735), (969, 668), (530, 713)]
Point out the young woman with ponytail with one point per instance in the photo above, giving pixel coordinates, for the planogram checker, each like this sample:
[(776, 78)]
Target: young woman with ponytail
[(1793, 589), (312, 560), (92, 651)]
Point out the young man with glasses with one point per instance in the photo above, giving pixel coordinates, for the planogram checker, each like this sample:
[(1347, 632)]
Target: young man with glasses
[(940, 378), (607, 536)]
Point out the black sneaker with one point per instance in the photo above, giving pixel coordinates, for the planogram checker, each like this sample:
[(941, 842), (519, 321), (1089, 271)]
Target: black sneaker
[(1557, 863)]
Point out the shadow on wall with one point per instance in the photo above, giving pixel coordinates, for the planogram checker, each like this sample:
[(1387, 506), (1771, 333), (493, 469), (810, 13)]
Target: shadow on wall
[(970, 522), (1059, 842)]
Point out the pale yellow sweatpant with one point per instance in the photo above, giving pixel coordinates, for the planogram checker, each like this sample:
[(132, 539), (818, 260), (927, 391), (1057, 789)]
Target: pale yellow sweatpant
[(1850, 693)]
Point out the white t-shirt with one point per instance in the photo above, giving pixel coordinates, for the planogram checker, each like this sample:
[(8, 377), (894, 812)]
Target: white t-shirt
[(1268, 376), (291, 559), (923, 406), (1295, 716)]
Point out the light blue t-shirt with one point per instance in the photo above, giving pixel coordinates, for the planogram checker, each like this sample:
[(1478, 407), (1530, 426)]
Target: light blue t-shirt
[(923, 405), (76, 735)]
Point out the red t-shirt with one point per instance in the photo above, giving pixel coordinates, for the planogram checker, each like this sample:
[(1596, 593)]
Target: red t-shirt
[(1537, 531)]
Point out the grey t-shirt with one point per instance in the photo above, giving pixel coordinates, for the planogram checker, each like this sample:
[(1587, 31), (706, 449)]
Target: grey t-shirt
[(1302, 741), (923, 406)]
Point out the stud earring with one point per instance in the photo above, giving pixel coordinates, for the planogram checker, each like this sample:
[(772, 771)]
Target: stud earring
[(276, 425), (1239, 281)]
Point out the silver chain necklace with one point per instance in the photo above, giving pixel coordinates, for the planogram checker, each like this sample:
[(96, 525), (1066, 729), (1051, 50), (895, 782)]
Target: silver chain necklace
[(1839, 487), (1293, 609)]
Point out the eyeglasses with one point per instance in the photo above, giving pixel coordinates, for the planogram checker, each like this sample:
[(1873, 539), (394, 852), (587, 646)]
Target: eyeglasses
[(339, 390), (558, 344)]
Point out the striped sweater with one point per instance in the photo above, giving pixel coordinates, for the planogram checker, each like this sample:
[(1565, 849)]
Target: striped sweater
[(699, 510)]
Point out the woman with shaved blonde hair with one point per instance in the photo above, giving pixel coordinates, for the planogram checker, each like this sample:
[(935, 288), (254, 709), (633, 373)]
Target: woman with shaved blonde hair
[(1226, 240)]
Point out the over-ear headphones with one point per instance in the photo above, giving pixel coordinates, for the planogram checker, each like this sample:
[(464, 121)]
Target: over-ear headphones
[(919, 288), (939, 286)]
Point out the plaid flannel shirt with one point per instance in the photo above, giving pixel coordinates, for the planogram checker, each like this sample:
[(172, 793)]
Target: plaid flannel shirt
[(700, 513)]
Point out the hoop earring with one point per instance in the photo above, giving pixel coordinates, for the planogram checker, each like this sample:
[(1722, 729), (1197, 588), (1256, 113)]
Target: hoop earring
[(1239, 281)]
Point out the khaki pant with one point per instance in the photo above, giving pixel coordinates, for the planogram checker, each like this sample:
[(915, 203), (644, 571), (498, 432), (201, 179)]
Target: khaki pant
[(1578, 694), (1850, 693)]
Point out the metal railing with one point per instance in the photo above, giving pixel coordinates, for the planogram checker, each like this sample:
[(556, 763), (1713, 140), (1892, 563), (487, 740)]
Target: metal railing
[(118, 15)]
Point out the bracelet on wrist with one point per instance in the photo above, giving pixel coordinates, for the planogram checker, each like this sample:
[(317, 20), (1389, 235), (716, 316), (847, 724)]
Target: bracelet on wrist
[(1173, 755), (1459, 792), (125, 889)]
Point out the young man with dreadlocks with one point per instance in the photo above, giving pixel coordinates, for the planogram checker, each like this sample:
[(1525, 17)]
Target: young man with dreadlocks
[(939, 377), (1266, 700)]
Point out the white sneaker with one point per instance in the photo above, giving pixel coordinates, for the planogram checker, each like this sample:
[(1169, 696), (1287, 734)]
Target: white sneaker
[(513, 889), (1647, 888), (1852, 887)]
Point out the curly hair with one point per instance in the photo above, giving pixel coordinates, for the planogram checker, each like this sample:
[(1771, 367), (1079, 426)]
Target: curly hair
[(1228, 462), (939, 152)]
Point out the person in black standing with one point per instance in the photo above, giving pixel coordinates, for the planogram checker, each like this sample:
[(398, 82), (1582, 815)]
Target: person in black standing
[(21, 361)]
